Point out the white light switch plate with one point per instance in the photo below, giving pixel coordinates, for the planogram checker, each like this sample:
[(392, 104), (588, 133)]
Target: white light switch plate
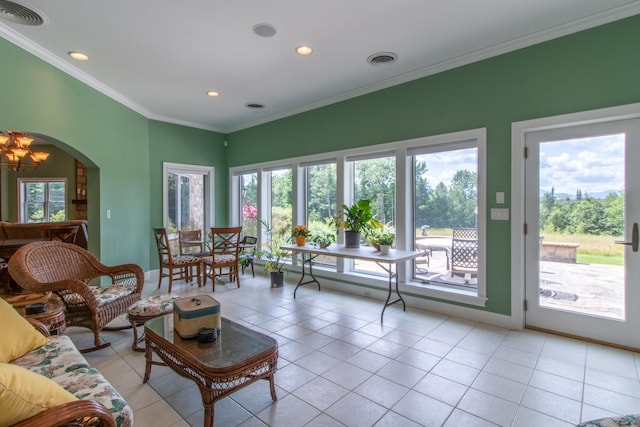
[(500, 197), (500, 214)]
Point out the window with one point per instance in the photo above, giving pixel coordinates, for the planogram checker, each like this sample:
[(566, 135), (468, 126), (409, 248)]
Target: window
[(420, 188), (374, 179), (280, 190), (249, 203), (42, 200), (446, 199), (188, 197), (321, 202)]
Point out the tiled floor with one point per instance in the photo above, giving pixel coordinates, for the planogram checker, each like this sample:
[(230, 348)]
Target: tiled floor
[(340, 366)]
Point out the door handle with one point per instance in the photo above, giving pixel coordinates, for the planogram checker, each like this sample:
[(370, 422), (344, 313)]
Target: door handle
[(634, 239)]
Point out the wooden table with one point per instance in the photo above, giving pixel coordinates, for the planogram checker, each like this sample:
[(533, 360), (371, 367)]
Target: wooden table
[(367, 253), (237, 358)]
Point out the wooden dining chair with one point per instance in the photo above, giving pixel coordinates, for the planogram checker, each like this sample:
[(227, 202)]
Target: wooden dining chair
[(224, 258), (62, 233), (190, 242), (175, 267)]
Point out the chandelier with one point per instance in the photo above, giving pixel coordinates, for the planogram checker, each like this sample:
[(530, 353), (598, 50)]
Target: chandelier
[(16, 154)]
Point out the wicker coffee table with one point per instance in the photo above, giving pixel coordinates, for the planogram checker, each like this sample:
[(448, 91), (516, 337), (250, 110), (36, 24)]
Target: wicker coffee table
[(237, 358)]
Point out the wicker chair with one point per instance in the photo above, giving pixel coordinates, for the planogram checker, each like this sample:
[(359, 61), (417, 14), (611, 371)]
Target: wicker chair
[(225, 249), (175, 267), (76, 276)]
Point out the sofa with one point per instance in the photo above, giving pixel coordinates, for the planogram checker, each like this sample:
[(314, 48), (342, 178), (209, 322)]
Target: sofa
[(17, 231), (45, 381)]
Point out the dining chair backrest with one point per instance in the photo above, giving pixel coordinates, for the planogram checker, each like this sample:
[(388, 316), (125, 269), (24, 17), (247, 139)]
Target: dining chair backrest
[(225, 241), (190, 239), (62, 233), (162, 242)]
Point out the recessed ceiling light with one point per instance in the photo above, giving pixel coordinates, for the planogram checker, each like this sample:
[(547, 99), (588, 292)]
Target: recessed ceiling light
[(213, 93), (304, 50), (78, 55)]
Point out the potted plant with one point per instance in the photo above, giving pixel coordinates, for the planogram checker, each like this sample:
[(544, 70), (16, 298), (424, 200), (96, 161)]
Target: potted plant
[(385, 240), (273, 257), (323, 238), (356, 219), (300, 234)]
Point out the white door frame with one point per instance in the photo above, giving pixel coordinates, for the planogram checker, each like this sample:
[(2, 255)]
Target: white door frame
[(518, 134)]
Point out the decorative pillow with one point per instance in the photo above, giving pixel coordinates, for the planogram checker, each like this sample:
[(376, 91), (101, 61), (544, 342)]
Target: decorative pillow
[(24, 394), (19, 337)]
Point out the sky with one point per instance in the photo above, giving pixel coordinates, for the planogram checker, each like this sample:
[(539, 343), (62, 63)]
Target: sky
[(593, 165)]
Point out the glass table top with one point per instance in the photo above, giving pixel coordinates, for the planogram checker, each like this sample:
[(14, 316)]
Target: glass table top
[(235, 343)]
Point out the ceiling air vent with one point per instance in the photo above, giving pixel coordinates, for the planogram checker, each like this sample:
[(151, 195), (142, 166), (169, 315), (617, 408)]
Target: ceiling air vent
[(254, 105), (382, 58), (14, 12)]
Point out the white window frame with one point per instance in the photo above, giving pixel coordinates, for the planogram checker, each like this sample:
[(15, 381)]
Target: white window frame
[(21, 196), (404, 208), (207, 171)]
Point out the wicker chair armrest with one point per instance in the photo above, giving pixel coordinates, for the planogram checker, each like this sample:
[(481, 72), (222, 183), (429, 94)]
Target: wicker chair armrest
[(41, 327), (79, 287), (76, 413), (124, 269)]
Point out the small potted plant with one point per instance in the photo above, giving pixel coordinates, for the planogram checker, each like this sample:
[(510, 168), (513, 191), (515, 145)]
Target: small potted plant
[(273, 257), (300, 233), (323, 238), (385, 240), (356, 219)]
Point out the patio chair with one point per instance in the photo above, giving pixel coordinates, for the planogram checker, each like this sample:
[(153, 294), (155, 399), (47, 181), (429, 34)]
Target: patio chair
[(248, 246), (225, 250), (464, 251), (78, 278)]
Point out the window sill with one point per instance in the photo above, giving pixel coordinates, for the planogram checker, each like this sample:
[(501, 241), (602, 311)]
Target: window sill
[(445, 293)]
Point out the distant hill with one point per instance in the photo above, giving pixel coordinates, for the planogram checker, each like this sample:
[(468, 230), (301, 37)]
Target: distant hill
[(595, 195)]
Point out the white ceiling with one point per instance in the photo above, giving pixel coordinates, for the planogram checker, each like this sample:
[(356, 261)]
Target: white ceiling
[(160, 57)]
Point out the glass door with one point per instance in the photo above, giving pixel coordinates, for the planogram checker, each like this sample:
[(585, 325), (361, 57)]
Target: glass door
[(579, 203)]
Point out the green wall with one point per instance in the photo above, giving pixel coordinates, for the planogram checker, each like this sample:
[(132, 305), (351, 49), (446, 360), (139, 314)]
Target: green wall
[(114, 142), (179, 144), (592, 69), (124, 151)]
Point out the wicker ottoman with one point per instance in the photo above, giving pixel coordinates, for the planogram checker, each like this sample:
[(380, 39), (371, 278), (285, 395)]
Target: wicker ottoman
[(147, 309)]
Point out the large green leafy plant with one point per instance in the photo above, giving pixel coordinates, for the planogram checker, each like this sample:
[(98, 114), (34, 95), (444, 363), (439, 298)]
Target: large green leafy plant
[(357, 217)]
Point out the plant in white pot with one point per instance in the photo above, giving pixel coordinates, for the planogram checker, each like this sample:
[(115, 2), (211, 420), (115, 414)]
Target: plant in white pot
[(356, 219), (385, 240)]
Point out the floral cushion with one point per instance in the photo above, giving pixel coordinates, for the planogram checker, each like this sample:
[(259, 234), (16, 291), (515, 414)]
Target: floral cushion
[(87, 383), (61, 361), (182, 259), (107, 294), (622, 421), (154, 305), (223, 258), (54, 358)]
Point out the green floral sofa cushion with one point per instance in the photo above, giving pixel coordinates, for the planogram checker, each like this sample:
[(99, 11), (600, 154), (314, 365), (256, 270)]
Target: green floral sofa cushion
[(54, 358), (61, 361), (622, 421)]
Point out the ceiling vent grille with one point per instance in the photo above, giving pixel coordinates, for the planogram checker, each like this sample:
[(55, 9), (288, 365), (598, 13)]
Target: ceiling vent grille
[(382, 58), (14, 12), (254, 105)]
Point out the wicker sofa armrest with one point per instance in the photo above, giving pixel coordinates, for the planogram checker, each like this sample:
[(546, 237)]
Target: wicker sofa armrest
[(76, 413)]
